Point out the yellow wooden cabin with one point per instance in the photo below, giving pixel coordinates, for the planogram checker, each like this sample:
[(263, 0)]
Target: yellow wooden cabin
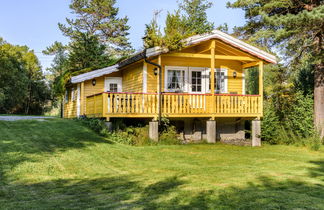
[(178, 85)]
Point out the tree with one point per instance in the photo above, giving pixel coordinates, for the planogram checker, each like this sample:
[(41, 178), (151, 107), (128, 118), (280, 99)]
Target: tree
[(99, 17), (188, 20), (295, 27), (195, 16), (22, 83), (59, 64), (86, 51), (58, 70), (153, 35)]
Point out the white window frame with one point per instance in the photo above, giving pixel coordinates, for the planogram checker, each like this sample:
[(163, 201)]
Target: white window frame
[(222, 69), (204, 80), (176, 68)]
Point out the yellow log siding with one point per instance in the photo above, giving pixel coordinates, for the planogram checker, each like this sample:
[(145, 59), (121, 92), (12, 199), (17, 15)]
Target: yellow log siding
[(70, 106), (133, 78), (152, 79)]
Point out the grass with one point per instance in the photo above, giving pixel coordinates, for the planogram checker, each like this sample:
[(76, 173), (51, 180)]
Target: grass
[(59, 164)]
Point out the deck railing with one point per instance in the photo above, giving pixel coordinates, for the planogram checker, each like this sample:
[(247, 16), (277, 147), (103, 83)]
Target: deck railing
[(173, 105)]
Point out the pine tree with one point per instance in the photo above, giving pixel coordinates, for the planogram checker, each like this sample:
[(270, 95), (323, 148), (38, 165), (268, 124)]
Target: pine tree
[(188, 20), (195, 16), (153, 35), (99, 17), (295, 27)]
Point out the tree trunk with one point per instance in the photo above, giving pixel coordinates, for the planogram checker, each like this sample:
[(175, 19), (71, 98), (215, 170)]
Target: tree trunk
[(319, 99)]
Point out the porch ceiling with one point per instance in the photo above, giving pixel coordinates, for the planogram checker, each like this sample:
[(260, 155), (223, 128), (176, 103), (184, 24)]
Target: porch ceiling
[(202, 50)]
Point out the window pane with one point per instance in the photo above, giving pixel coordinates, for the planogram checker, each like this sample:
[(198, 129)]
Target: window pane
[(175, 79), (113, 87)]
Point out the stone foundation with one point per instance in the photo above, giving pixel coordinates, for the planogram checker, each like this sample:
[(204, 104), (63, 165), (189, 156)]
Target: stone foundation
[(227, 129)]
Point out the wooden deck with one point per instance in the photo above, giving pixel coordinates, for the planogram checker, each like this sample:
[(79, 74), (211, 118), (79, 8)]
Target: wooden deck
[(140, 105)]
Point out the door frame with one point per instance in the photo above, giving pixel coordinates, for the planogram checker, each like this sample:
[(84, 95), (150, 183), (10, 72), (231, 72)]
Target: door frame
[(204, 80), (118, 80)]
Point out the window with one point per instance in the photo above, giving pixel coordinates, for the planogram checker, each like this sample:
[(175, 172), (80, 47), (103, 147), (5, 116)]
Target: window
[(175, 80), (220, 81), (196, 80), (113, 87)]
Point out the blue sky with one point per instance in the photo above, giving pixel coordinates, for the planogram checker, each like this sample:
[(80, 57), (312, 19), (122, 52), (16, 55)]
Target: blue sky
[(34, 22)]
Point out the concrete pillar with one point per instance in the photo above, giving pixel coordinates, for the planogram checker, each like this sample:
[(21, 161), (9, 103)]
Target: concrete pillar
[(211, 131), (188, 128), (109, 126), (154, 130), (256, 133)]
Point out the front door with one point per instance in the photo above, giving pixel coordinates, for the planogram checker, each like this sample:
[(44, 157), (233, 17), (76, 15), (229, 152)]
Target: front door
[(113, 84), (197, 80), (197, 85)]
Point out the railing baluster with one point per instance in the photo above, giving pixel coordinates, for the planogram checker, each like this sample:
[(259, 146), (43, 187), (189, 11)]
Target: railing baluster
[(172, 104)]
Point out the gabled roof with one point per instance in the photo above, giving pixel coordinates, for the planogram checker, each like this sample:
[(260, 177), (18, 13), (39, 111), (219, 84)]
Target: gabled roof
[(155, 51), (216, 34)]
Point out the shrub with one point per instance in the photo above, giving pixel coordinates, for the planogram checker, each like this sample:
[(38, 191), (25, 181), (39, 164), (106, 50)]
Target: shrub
[(136, 136), (300, 117), (95, 124), (169, 136), (270, 124)]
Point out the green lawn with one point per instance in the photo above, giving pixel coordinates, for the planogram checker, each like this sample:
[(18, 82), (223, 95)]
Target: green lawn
[(57, 164)]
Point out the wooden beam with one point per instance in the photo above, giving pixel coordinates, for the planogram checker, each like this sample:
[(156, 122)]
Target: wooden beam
[(207, 56), (188, 55), (261, 85), (219, 47), (232, 57), (212, 77), (202, 48), (159, 86), (248, 65), (231, 49)]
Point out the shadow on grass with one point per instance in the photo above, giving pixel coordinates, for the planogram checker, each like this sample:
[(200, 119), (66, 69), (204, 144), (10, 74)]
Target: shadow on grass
[(20, 139), (169, 193)]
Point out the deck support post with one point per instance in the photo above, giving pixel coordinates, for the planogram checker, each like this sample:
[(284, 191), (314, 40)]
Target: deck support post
[(211, 131), (261, 85), (109, 126), (256, 133), (212, 77), (154, 130)]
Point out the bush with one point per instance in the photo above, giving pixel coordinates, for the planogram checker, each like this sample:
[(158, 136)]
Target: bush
[(169, 136), (95, 124), (131, 136), (300, 116), (291, 125), (270, 124)]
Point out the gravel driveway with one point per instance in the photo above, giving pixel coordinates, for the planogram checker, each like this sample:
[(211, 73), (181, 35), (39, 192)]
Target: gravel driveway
[(14, 118)]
